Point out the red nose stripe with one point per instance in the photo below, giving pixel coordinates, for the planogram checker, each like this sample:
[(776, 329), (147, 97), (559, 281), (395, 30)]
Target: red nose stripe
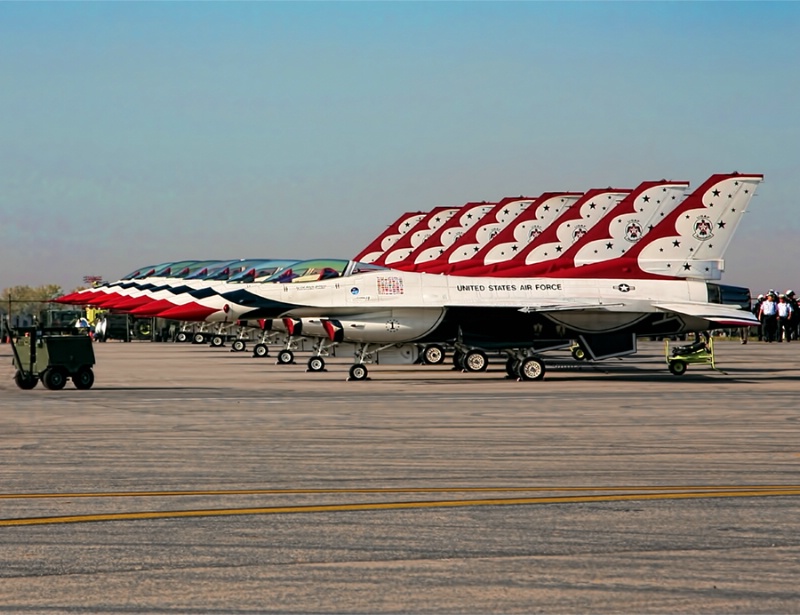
[(190, 311), (154, 308)]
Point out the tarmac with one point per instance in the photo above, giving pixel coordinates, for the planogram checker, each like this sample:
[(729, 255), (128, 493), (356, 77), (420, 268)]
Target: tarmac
[(192, 479)]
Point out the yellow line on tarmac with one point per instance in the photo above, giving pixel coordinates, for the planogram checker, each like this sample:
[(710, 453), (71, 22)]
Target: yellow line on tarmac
[(133, 516), (375, 490)]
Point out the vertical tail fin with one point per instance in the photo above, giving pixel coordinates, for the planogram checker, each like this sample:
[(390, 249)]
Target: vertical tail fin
[(689, 242)]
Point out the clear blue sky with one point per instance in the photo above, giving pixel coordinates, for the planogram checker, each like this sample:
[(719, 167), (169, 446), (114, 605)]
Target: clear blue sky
[(135, 133)]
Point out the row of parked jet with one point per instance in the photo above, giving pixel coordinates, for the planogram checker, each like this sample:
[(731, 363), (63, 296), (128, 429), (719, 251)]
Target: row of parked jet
[(593, 271)]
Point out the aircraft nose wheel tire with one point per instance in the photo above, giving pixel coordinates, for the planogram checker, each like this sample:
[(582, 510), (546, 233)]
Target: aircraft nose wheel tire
[(358, 372), (677, 368), (238, 346), (475, 361), (217, 341), (433, 354), (531, 369), (54, 378), (181, 337), (260, 350), (316, 364), (198, 338), (285, 357)]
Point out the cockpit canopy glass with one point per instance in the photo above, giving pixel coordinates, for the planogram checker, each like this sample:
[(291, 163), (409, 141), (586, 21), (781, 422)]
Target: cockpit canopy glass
[(260, 270), (320, 269)]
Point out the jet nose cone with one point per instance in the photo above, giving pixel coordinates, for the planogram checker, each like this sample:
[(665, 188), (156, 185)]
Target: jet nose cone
[(190, 311)]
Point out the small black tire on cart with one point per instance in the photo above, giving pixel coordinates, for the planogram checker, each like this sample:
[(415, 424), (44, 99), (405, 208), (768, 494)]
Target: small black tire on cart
[(531, 369), (54, 378), (433, 354), (578, 353), (260, 350), (677, 368), (83, 379), (316, 364), (358, 371), (285, 357), (238, 346), (26, 383)]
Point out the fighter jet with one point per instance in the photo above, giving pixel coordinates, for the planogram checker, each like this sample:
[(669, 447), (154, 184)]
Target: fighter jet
[(379, 308)]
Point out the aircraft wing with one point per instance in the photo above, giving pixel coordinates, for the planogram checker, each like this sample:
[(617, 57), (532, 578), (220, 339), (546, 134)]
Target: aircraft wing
[(551, 306), (723, 315)]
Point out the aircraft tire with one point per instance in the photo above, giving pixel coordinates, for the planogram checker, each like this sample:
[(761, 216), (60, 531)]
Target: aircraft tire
[(475, 361), (238, 346), (217, 341), (285, 357), (181, 337), (457, 356), (433, 354), (512, 367), (198, 338), (358, 371), (531, 369), (316, 364), (260, 350)]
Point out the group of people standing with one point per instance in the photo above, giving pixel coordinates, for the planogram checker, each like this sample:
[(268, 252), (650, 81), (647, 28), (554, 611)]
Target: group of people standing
[(778, 315)]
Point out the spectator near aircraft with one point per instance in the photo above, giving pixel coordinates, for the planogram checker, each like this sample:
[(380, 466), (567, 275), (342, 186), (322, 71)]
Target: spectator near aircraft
[(768, 315), (784, 311)]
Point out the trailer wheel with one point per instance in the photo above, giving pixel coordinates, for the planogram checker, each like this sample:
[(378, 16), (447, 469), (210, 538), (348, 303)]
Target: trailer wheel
[(54, 378), (25, 383), (677, 368), (83, 378)]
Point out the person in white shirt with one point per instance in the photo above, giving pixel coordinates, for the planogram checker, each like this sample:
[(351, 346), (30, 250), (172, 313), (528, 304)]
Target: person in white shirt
[(768, 315), (784, 312)]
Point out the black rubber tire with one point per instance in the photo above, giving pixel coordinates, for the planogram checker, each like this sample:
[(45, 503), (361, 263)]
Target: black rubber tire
[(285, 357), (475, 361), (54, 378), (512, 367), (83, 379), (198, 338), (238, 346), (677, 368), (316, 364), (578, 353), (531, 368), (456, 359), (26, 383), (358, 371), (260, 350), (181, 337), (217, 341), (433, 354)]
